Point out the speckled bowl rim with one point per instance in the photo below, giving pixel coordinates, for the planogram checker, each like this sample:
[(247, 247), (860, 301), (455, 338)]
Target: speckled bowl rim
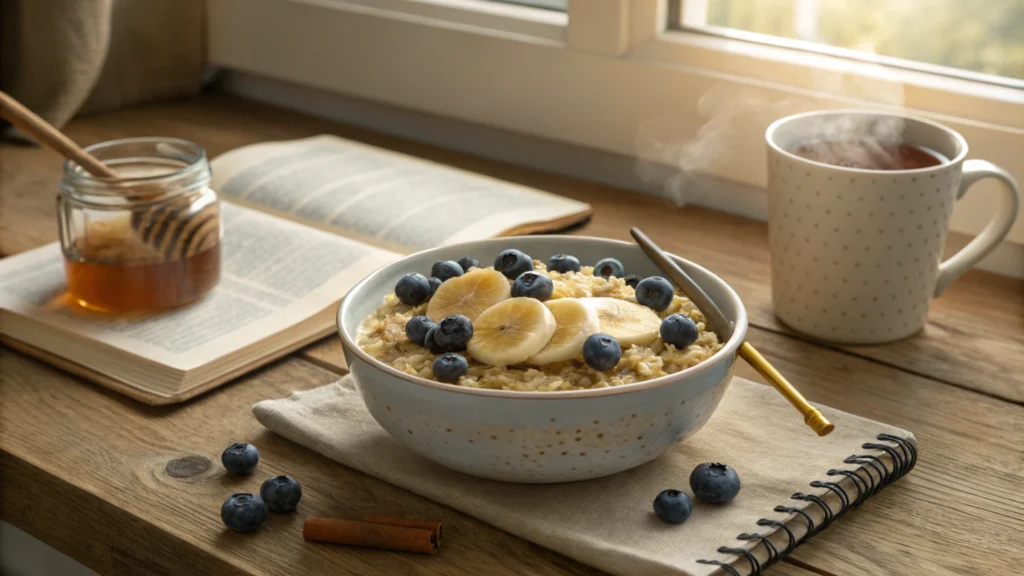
[(727, 351)]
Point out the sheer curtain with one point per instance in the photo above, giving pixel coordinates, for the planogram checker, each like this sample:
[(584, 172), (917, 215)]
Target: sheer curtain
[(61, 57)]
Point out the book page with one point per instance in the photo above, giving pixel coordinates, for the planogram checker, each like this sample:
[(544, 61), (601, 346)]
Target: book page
[(382, 197), (274, 274)]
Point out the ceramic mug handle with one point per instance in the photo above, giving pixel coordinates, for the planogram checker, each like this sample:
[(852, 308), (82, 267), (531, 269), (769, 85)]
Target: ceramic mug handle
[(996, 230)]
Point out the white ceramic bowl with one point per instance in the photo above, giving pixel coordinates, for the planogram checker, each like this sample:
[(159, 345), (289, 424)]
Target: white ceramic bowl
[(538, 436)]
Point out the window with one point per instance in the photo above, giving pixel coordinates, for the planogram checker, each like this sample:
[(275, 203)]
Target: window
[(560, 5), (977, 39), (594, 73)]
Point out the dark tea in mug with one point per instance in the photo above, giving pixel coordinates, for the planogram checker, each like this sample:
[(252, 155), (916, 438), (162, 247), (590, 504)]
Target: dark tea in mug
[(868, 155)]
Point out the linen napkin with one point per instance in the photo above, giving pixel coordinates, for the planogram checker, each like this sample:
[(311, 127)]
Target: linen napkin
[(608, 523)]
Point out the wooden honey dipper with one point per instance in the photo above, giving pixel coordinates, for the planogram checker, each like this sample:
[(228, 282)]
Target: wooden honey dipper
[(177, 228)]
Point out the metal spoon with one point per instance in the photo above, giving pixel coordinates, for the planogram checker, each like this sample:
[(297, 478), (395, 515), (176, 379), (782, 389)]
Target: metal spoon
[(723, 328)]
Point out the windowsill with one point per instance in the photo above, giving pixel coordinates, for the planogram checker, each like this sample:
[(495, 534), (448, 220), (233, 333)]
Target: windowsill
[(574, 161)]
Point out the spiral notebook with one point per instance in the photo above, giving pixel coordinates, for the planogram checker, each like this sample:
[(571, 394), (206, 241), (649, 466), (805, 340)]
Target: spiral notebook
[(794, 484)]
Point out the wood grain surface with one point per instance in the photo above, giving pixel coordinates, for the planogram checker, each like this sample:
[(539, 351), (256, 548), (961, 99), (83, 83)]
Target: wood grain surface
[(89, 470), (140, 490), (966, 487), (86, 470), (975, 332)]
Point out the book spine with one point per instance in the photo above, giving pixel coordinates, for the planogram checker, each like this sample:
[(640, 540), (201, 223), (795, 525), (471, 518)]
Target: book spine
[(872, 476)]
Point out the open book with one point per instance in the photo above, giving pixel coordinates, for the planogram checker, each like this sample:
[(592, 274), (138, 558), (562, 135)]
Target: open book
[(303, 221)]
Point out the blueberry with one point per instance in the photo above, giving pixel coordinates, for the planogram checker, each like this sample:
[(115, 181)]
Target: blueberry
[(512, 263), (435, 283), (281, 493), (673, 506), (655, 292), (417, 327), (469, 262), (430, 342), (453, 333), (563, 263), (632, 280), (678, 330), (449, 367), (445, 269), (412, 289), (533, 285), (240, 458), (243, 512), (714, 483), (609, 267), (601, 352)]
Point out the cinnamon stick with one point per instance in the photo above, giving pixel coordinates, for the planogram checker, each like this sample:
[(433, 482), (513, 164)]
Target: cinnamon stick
[(433, 525), (368, 534)]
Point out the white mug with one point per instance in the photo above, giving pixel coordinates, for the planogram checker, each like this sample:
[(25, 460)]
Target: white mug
[(857, 254)]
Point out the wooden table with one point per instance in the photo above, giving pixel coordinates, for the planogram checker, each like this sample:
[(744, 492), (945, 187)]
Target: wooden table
[(101, 477)]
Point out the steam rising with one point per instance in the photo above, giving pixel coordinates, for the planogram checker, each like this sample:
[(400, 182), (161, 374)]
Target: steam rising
[(675, 157)]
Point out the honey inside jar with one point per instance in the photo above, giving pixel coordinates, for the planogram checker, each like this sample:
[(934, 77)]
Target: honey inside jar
[(148, 240), (121, 273)]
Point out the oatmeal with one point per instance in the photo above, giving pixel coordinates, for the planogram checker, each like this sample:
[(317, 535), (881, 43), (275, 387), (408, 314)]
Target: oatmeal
[(561, 364)]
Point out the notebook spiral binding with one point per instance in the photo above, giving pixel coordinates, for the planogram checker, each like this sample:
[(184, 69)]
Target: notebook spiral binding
[(872, 476)]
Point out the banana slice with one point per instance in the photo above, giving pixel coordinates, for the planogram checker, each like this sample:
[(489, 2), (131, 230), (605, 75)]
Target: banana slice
[(574, 323), (469, 294), (511, 331), (629, 323)]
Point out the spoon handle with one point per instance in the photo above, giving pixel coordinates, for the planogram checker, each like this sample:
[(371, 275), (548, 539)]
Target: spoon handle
[(723, 329), (25, 119), (812, 416), (720, 325)]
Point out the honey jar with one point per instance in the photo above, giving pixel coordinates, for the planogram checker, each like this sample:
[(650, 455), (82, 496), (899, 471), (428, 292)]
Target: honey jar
[(146, 240)]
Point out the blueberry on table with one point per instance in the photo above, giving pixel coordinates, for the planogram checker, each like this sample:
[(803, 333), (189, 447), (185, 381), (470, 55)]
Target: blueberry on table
[(673, 506), (609, 267), (281, 493), (714, 483), (601, 352), (512, 263), (678, 330), (445, 269), (453, 333), (655, 293), (449, 367), (533, 285), (468, 262), (417, 327), (563, 263), (243, 512), (632, 280), (435, 283), (412, 289), (240, 458)]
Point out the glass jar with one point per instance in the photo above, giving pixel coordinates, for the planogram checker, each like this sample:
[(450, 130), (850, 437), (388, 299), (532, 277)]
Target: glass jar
[(147, 240)]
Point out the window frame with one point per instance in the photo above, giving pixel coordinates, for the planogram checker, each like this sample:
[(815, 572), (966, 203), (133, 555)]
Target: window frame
[(680, 9), (482, 14), (794, 66), (589, 79)]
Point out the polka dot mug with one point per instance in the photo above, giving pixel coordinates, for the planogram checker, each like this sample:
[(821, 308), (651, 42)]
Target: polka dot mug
[(857, 253)]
